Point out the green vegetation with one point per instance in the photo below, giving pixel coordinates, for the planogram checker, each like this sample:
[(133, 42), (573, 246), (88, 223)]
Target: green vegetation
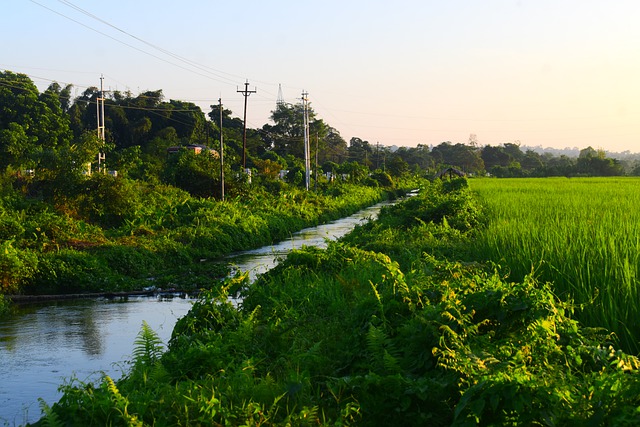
[(581, 234), (388, 326), (66, 226), (379, 329), (136, 232)]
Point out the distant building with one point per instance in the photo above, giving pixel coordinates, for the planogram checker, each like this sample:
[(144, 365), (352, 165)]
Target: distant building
[(196, 148)]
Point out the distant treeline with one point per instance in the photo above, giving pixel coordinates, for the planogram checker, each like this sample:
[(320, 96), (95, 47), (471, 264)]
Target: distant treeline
[(53, 135)]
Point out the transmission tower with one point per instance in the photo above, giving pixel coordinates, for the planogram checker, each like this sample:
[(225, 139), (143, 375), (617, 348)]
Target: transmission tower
[(100, 115), (280, 99)]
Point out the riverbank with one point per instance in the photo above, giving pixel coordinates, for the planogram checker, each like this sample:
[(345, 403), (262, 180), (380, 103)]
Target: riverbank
[(30, 299), (38, 339), (68, 256), (382, 328)]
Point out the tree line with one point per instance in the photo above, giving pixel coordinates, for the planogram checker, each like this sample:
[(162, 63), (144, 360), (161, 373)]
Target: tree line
[(53, 137)]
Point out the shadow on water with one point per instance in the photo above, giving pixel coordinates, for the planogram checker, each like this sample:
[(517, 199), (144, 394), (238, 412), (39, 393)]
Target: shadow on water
[(43, 345)]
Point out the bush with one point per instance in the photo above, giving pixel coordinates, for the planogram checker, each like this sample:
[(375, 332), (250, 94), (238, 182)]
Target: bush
[(70, 271), (16, 267)]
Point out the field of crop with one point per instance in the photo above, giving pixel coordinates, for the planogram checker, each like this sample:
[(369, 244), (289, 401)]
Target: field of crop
[(581, 234)]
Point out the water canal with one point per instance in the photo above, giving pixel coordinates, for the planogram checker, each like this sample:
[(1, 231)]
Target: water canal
[(44, 345)]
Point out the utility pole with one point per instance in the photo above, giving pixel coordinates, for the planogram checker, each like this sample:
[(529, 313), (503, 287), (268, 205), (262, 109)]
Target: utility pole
[(307, 160), (316, 183), (221, 154), (246, 92), (100, 116)]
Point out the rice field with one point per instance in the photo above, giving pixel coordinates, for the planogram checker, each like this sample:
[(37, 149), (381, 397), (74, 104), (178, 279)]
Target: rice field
[(581, 234)]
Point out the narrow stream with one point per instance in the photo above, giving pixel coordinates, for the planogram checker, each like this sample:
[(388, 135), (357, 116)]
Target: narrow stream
[(44, 345)]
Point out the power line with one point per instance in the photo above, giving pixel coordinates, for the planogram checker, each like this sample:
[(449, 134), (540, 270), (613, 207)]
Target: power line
[(134, 47), (165, 51)]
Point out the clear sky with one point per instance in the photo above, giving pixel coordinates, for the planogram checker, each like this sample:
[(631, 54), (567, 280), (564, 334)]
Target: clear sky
[(555, 73)]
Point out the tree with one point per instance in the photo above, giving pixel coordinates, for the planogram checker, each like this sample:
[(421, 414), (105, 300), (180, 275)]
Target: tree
[(334, 148), (285, 136), (397, 167), (493, 156), (559, 166), (360, 151), (416, 157), (596, 163), (33, 125), (532, 162), (199, 174), (462, 156), (63, 94)]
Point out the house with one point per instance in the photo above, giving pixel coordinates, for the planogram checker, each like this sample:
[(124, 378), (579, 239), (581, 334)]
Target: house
[(196, 148)]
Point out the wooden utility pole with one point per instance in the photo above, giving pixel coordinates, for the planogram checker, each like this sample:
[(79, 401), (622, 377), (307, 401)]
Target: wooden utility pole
[(221, 154), (246, 92)]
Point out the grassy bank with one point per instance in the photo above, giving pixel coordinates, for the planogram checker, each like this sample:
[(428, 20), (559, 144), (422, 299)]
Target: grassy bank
[(583, 234), (382, 328), (124, 235)]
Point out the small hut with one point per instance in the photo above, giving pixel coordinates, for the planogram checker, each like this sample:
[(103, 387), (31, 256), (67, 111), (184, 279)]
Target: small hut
[(450, 172)]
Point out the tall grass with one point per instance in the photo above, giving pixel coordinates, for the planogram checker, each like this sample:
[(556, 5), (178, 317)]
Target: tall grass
[(582, 234)]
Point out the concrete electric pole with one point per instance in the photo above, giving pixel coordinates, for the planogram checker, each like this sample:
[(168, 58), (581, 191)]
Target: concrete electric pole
[(307, 157), (100, 115), (221, 154), (246, 92)]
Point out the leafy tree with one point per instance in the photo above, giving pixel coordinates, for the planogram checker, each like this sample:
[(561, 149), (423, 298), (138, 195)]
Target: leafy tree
[(416, 157), (493, 156), (199, 174), (559, 166), (397, 167), (63, 94), (32, 125), (465, 157), (268, 168), (334, 148), (360, 151), (532, 162), (286, 135), (596, 163), (354, 170)]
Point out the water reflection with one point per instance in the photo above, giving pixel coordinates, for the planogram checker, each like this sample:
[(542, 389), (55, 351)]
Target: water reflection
[(43, 345)]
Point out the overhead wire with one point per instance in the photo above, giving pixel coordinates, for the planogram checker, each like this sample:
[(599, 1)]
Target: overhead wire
[(219, 75), (129, 45), (165, 51)]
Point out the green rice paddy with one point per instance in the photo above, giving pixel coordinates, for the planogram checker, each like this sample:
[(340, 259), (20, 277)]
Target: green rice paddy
[(581, 234)]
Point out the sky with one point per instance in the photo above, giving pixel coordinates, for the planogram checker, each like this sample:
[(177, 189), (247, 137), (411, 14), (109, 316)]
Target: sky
[(550, 73)]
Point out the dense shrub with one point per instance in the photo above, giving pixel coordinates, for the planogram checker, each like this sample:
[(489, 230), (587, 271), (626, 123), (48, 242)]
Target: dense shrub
[(17, 266)]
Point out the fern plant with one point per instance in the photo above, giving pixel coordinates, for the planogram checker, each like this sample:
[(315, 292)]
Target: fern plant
[(50, 418), (148, 346)]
